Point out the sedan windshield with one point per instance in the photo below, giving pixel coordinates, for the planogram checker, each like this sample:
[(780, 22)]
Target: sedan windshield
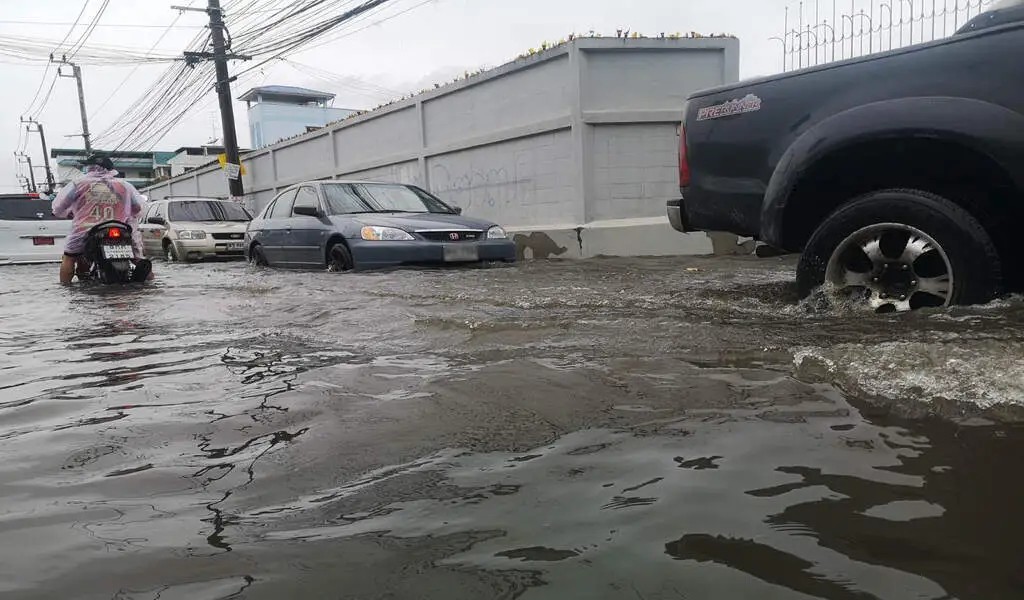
[(392, 197), (206, 210), (343, 200)]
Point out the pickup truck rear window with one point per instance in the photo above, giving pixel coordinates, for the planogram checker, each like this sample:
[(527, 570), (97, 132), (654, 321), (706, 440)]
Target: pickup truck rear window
[(26, 209)]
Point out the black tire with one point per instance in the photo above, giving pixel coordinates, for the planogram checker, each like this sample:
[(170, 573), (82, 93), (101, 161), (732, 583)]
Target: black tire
[(339, 259), (170, 254), (142, 269), (257, 257), (975, 264)]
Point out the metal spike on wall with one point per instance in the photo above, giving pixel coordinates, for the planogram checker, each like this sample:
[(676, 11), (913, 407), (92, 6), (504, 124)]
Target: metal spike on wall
[(817, 32)]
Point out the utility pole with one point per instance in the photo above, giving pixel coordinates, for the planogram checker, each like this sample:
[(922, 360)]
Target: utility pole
[(50, 185), (220, 57), (32, 175), (76, 72)]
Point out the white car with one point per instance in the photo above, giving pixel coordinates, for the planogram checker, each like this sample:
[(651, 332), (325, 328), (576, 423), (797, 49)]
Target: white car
[(29, 233)]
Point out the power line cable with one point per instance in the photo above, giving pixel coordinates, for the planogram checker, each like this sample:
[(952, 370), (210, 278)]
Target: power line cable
[(378, 22), (108, 25), (89, 29), (136, 68), (294, 42), (46, 98)]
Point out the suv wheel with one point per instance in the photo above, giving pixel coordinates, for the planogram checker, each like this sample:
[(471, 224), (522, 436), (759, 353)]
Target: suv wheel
[(170, 254), (899, 250)]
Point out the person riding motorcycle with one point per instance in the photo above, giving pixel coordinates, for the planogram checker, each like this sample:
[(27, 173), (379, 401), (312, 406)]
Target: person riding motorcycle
[(97, 197)]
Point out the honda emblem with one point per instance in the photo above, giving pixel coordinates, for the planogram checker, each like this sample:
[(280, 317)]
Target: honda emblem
[(453, 235)]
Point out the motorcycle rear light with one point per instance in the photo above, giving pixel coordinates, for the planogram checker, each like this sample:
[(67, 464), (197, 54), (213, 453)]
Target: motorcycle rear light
[(114, 233)]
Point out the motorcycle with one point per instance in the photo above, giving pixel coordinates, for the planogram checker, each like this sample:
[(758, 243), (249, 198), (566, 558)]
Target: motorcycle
[(110, 256)]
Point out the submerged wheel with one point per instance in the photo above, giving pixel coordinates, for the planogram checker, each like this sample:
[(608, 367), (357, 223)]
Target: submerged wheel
[(339, 259), (899, 250), (170, 254), (257, 257)]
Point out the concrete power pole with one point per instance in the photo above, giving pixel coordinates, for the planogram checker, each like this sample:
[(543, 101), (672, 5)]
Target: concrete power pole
[(50, 184), (76, 72), (220, 57), (31, 173)]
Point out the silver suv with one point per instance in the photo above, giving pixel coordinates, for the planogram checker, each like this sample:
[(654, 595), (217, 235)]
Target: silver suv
[(194, 228)]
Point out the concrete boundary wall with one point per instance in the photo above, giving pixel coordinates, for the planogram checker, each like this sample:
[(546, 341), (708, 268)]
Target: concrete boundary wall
[(573, 149)]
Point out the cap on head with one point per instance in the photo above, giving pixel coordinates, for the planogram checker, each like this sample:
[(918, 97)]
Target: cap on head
[(99, 159)]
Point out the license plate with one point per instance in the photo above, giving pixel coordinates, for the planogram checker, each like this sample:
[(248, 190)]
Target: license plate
[(117, 252), (42, 241), (236, 245), (461, 252)]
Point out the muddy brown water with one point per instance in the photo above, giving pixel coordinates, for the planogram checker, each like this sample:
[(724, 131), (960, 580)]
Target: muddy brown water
[(611, 428)]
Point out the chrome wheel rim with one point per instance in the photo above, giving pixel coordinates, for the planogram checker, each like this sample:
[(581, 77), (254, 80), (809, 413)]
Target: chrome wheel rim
[(891, 267)]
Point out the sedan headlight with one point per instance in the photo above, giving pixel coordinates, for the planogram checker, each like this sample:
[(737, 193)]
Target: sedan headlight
[(496, 233), (190, 235), (387, 234)]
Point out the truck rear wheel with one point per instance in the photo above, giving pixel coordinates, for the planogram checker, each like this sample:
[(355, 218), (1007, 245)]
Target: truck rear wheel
[(899, 250)]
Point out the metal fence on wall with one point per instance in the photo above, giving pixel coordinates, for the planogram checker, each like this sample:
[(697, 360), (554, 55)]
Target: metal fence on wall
[(822, 31)]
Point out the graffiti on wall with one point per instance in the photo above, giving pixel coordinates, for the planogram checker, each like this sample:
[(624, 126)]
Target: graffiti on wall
[(485, 190)]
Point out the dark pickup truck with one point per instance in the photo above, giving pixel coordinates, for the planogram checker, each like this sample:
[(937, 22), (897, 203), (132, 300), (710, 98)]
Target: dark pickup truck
[(899, 177)]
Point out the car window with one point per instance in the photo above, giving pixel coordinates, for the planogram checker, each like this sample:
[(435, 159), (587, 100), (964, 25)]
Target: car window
[(194, 210), (265, 213), (283, 206), (397, 197), (234, 211), (306, 197), (161, 210), (150, 212), (342, 200), (26, 209)]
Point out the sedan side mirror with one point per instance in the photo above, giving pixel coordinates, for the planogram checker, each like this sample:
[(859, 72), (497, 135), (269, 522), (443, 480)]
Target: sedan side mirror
[(308, 211), (157, 221), (457, 209)]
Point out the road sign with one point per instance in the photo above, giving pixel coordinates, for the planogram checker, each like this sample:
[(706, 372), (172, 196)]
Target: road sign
[(223, 160)]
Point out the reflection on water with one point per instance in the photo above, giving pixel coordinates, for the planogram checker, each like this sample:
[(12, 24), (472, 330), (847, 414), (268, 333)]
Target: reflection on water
[(597, 429), (799, 508)]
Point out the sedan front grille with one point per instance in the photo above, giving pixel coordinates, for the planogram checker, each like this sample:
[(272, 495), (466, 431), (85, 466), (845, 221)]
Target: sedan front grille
[(228, 236), (452, 236)]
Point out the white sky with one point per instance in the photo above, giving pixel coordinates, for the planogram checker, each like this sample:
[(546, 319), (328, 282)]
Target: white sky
[(429, 44)]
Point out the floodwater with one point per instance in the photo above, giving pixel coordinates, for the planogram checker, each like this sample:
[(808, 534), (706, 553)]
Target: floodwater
[(638, 429)]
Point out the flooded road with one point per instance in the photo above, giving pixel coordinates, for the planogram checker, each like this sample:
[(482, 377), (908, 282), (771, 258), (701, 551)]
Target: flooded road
[(641, 429)]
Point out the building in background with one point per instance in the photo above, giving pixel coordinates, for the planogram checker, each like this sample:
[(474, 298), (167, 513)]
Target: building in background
[(187, 158), (278, 112), (139, 168)]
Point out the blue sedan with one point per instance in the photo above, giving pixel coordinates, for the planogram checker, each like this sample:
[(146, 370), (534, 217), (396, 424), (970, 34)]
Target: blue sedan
[(355, 225)]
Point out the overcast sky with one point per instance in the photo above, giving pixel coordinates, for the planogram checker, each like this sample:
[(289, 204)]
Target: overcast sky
[(408, 52)]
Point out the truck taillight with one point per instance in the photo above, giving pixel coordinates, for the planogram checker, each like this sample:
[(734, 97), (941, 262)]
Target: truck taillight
[(684, 163)]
